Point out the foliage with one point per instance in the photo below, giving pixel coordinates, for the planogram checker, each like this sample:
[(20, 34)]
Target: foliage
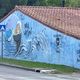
[(54, 2), (31, 2), (2, 12), (73, 3)]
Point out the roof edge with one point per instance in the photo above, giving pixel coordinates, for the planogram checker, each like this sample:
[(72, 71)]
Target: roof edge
[(16, 9)]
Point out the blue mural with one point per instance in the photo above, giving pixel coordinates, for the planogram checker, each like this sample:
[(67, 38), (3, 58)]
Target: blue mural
[(28, 39)]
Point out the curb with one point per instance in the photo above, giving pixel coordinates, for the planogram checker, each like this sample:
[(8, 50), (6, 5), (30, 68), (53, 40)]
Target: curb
[(16, 66), (38, 70)]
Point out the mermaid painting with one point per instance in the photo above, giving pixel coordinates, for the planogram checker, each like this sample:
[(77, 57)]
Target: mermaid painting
[(17, 36)]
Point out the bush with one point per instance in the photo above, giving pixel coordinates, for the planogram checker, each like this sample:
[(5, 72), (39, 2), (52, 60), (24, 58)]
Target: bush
[(2, 12)]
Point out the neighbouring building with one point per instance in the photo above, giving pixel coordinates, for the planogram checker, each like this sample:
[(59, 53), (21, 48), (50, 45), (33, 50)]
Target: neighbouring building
[(43, 34)]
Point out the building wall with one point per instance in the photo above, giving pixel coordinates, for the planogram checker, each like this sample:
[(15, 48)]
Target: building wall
[(28, 39)]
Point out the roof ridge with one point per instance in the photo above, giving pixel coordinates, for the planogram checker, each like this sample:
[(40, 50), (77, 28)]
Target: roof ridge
[(76, 8)]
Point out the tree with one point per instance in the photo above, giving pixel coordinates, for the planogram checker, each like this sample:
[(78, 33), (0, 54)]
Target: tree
[(54, 2), (5, 7), (18, 2), (5, 4), (41, 3), (22, 2), (73, 3), (37, 2), (31, 2), (2, 12)]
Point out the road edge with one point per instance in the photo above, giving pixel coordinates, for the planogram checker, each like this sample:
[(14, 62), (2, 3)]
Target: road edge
[(39, 70), (17, 66)]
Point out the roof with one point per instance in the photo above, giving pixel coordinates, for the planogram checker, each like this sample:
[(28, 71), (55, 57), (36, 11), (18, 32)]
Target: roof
[(65, 20)]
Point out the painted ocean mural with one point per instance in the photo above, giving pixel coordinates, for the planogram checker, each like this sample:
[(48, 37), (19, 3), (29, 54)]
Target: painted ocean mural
[(20, 43), (28, 39)]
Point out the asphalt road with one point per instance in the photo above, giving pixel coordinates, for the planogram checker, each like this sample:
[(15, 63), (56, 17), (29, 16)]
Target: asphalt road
[(9, 73)]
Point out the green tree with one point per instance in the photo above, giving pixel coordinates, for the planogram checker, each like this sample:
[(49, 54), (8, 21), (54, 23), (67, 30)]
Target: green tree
[(73, 3), (54, 2), (5, 4), (5, 7), (41, 3), (31, 2), (37, 2), (22, 2), (2, 12), (18, 2)]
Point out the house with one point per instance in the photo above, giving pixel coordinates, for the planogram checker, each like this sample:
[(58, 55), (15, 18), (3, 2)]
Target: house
[(43, 34)]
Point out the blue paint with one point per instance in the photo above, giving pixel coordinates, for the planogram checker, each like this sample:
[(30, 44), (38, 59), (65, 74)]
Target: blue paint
[(39, 42)]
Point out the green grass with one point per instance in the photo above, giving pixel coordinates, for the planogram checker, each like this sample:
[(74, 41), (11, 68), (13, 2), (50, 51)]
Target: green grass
[(30, 64)]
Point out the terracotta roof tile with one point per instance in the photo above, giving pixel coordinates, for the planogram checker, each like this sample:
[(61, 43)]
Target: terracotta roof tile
[(66, 20)]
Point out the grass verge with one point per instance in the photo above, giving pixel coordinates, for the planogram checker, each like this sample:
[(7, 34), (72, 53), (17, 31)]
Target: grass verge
[(30, 64)]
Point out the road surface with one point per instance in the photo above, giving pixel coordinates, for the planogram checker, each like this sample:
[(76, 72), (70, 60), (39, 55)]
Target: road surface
[(9, 73)]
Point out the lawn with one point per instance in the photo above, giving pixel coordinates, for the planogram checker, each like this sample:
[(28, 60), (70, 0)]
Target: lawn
[(30, 64)]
